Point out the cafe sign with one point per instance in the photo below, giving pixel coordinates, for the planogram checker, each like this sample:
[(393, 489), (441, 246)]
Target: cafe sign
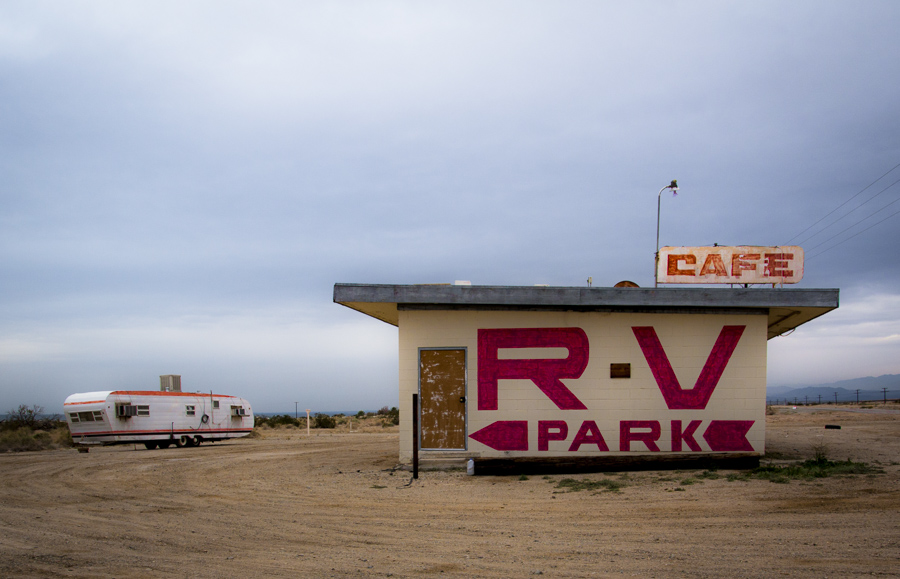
[(745, 264)]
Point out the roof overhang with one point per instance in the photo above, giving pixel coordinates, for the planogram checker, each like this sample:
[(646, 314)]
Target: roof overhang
[(786, 308)]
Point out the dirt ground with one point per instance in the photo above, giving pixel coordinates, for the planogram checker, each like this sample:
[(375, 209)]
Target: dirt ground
[(333, 505)]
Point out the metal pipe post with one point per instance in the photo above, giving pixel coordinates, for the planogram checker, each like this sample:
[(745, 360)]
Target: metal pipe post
[(415, 425)]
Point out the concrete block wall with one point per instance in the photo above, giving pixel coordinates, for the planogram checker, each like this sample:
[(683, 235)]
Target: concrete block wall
[(686, 339)]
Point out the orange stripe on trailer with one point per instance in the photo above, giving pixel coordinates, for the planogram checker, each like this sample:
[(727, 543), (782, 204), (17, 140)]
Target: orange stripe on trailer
[(162, 393), (88, 402), (156, 432)]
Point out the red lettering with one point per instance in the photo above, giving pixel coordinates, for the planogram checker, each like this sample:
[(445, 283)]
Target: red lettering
[(679, 436), (676, 398), (627, 435), (589, 433), (775, 264), (504, 435), (545, 373), (741, 262), (672, 264), (551, 430), (714, 265)]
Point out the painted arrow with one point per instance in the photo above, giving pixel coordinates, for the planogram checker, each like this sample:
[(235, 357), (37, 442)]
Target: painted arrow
[(504, 435), (728, 435)]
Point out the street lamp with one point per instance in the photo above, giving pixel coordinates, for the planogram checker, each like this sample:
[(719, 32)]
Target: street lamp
[(674, 187)]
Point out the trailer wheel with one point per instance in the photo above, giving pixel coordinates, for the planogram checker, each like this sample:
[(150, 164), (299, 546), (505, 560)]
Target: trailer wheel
[(197, 440), (150, 445), (186, 441)]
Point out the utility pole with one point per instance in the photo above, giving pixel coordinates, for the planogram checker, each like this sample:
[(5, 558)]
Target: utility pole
[(295, 410), (885, 390), (807, 400), (857, 395), (307, 422), (820, 398), (835, 397)]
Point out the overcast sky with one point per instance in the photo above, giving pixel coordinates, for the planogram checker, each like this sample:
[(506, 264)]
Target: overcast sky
[(182, 183)]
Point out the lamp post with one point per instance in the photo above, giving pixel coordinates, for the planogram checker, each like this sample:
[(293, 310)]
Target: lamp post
[(674, 187)]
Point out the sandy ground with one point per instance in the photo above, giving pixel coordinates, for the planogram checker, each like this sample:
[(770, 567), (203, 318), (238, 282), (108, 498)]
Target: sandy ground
[(332, 505)]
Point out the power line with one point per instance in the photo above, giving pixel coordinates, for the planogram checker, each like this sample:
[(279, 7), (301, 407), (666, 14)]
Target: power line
[(872, 198), (869, 216), (844, 203), (857, 233)]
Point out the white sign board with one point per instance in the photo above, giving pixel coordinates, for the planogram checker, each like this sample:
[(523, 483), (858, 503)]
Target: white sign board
[(743, 264)]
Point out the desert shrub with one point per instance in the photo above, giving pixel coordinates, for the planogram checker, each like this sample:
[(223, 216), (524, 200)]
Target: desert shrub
[(391, 414), (361, 414), (820, 452), (21, 440), (575, 485), (29, 417), (324, 421), (61, 437), (25, 439), (810, 469), (276, 420), (284, 420)]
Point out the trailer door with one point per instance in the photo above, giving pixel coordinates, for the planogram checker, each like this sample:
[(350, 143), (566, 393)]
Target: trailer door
[(442, 392)]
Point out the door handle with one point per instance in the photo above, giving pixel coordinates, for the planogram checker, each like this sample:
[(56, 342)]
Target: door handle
[(462, 399)]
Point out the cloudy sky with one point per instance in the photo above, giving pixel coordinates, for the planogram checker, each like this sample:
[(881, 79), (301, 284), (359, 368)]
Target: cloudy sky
[(182, 183)]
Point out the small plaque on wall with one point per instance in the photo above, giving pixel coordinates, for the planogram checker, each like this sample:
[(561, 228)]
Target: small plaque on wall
[(620, 370)]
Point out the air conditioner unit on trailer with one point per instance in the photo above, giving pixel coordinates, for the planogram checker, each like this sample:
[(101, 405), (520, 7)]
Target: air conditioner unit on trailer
[(126, 410), (238, 411)]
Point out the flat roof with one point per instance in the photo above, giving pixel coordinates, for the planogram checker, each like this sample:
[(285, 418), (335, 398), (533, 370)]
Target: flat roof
[(786, 308)]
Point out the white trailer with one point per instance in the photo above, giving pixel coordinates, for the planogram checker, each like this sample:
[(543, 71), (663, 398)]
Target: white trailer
[(156, 419)]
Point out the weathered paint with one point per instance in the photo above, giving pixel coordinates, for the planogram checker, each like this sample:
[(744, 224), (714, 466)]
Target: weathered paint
[(731, 265), (544, 389), (442, 394)]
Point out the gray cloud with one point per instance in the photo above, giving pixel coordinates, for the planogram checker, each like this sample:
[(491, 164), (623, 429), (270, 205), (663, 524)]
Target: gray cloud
[(225, 165)]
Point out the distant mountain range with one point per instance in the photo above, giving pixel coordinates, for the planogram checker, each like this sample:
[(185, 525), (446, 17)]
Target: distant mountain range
[(870, 388)]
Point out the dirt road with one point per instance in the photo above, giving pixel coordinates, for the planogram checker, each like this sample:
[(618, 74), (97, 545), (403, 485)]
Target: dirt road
[(332, 505)]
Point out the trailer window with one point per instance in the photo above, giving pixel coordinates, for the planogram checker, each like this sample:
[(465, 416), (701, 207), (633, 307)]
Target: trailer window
[(90, 416), (143, 410), (189, 410), (215, 403)]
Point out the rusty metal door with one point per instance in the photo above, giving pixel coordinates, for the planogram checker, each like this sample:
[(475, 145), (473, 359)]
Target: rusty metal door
[(442, 391)]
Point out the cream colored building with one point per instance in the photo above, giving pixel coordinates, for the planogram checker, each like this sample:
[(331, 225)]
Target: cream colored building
[(584, 375)]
